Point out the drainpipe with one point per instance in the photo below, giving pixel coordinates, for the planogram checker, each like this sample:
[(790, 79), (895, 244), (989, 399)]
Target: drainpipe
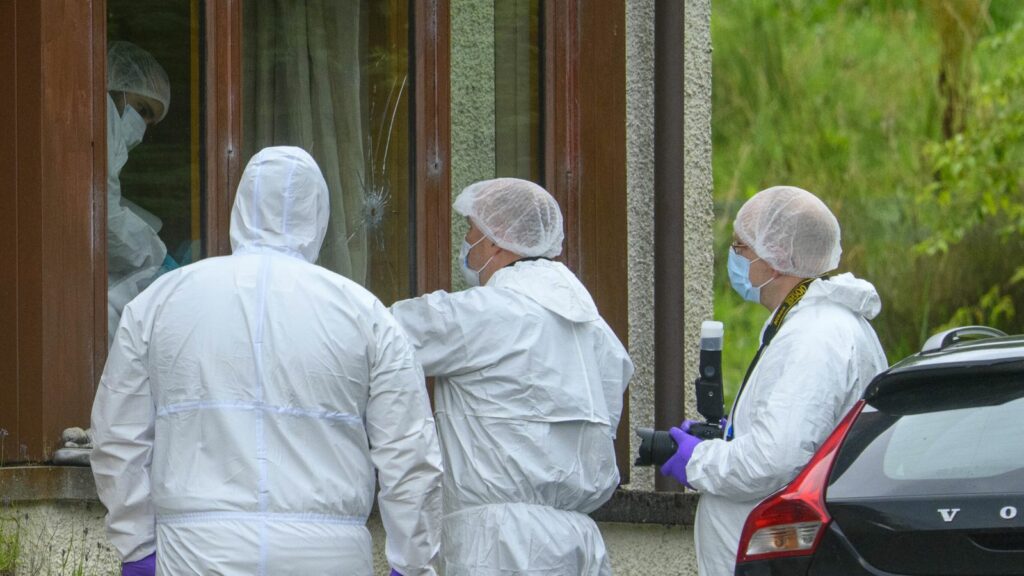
[(669, 384)]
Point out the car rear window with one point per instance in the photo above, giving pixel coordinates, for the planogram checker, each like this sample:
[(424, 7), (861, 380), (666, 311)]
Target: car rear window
[(935, 437), (977, 442)]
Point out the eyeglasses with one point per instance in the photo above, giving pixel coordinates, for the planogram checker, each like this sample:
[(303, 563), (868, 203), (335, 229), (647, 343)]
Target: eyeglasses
[(737, 245)]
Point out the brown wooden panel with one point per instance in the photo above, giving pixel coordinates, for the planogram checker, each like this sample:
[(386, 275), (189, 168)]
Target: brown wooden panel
[(562, 117), (67, 257), (432, 92), (99, 186), (28, 261), (602, 225), (223, 80), (585, 145), (49, 267), (9, 228)]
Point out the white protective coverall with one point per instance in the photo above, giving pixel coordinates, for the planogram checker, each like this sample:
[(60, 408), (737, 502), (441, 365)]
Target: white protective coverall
[(529, 392), (808, 378), (135, 251), (248, 398)]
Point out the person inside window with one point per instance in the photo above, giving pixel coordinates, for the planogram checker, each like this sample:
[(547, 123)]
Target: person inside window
[(138, 96)]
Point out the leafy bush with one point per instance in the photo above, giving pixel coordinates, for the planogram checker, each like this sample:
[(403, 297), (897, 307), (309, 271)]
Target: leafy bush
[(976, 201), (10, 545), (841, 98)]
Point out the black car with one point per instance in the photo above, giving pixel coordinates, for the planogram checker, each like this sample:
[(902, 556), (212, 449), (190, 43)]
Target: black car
[(924, 476)]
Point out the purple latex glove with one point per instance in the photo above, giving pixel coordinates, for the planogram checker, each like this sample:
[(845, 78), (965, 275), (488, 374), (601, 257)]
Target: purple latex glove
[(144, 567), (676, 465), (395, 572)]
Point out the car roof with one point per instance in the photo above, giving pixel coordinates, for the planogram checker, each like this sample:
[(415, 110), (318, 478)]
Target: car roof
[(1003, 355)]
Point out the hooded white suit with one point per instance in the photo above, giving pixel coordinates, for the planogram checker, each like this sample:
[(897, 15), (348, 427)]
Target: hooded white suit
[(807, 379), (247, 399), (528, 397), (134, 249)]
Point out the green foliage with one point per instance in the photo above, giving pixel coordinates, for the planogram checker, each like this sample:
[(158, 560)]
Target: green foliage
[(49, 546), (978, 172), (10, 545), (974, 207), (841, 98)]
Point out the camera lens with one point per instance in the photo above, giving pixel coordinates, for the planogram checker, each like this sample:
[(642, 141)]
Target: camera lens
[(656, 447)]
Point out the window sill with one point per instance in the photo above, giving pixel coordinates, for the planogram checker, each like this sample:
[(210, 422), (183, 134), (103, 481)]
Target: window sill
[(643, 507), (26, 484)]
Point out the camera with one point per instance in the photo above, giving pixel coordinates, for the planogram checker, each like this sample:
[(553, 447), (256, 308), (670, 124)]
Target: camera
[(657, 446)]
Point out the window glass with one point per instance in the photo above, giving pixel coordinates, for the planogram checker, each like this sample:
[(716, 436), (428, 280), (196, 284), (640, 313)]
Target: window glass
[(977, 442), (333, 78), (944, 436), (517, 90), (154, 155), (496, 98)]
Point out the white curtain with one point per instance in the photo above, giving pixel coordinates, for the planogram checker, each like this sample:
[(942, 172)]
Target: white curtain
[(302, 71)]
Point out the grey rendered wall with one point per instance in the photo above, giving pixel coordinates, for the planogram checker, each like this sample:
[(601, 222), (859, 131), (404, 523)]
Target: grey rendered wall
[(472, 108), (64, 539), (699, 258)]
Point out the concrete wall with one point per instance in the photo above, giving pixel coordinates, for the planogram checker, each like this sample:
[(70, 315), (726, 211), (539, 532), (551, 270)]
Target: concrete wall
[(699, 258), (56, 539), (472, 94), (67, 539)]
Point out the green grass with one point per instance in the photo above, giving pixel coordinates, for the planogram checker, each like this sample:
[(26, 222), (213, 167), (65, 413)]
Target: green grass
[(841, 98), (10, 545)]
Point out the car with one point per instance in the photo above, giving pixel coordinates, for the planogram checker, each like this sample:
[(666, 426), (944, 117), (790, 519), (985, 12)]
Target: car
[(924, 476)]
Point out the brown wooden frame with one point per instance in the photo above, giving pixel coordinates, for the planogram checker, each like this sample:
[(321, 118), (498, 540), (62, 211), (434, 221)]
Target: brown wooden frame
[(432, 117), (54, 144), (52, 345), (53, 336), (223, 107), (432, 92), (9, 281), (585, 152)]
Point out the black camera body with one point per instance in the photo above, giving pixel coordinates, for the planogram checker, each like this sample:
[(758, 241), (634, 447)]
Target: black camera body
[(657, 446)]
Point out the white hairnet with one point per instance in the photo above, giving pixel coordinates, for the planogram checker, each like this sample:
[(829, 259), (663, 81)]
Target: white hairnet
[(517, 215), (791, 229), (132, 69)]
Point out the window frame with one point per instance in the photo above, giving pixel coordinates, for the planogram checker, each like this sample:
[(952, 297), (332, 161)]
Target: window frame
[(57, 346), (430, 99), (585, 158)]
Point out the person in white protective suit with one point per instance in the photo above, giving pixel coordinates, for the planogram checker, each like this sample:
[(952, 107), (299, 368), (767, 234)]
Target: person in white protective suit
[(248, 400), (528, 393), (818, 354), (138, 96)]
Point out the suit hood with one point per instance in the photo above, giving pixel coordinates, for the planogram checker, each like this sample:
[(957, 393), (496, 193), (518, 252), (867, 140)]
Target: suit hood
[(281, 203), (551, 285)]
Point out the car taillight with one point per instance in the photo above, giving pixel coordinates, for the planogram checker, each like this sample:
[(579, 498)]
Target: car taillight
[(791, 521)]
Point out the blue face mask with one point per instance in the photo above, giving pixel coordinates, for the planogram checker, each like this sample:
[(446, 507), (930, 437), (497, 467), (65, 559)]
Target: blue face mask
[(739, 277), (472, 277)]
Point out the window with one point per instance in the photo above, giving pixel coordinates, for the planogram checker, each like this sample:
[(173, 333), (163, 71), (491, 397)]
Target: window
[(177, 185), (518, 142), (958, 444), (155, 159), (333, 78)]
